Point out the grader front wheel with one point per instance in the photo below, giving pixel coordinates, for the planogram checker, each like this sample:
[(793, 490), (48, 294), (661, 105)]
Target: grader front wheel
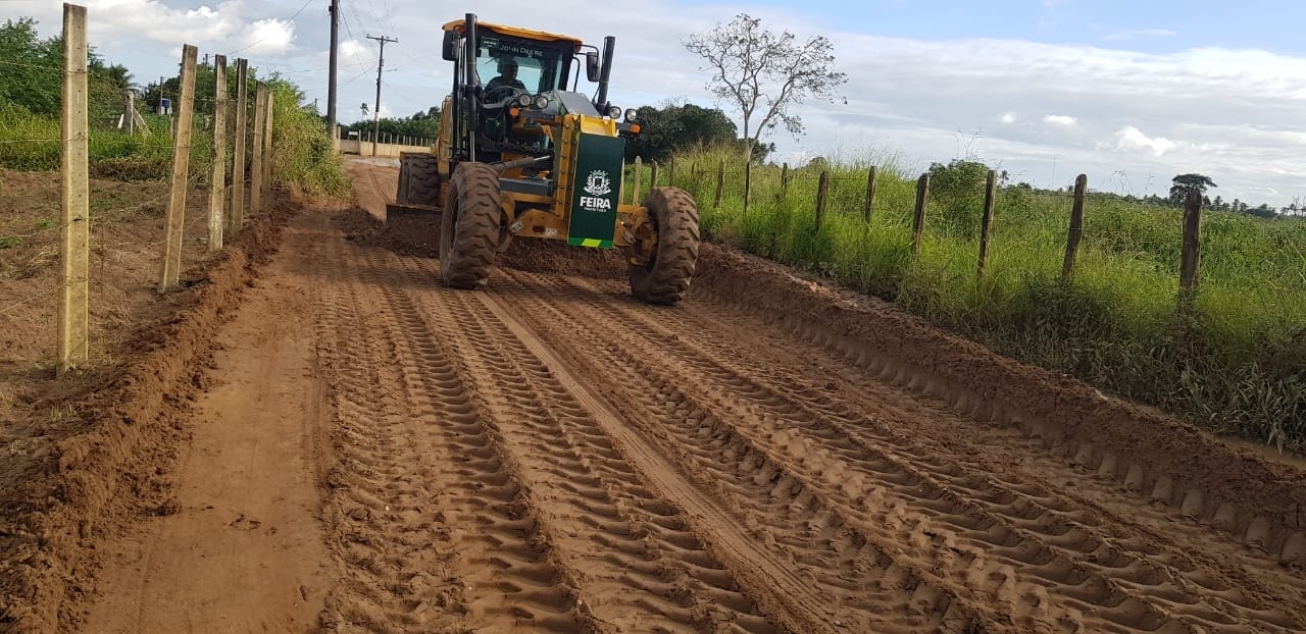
[(469, 229), (665, 277)]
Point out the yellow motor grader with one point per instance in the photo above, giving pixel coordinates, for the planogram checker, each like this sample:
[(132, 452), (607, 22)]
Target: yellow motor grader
[(521, 153)]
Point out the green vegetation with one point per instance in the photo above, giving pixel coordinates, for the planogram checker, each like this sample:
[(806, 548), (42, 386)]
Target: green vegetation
[(30, 102), (1235, 362)]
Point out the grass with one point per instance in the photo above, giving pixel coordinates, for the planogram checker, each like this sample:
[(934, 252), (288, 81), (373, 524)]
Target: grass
[(1234, 363), (301, 157)]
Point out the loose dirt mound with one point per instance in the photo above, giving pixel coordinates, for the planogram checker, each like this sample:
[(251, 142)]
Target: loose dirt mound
[(110, 459)]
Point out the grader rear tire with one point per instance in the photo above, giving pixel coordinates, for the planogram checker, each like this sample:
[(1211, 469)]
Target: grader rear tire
[(419, 181), (665, 278), (470, 226)]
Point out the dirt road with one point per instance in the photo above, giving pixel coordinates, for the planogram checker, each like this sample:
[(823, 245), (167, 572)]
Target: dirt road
[(375, 452)]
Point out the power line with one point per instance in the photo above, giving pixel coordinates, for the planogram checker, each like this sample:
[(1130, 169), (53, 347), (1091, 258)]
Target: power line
[(260, 40)]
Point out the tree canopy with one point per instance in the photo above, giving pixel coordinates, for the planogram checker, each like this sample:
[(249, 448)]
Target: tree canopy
[(31, 72), (764, 74), (678, 127)]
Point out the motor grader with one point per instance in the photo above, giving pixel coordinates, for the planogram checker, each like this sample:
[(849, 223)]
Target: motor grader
[(524, 154)]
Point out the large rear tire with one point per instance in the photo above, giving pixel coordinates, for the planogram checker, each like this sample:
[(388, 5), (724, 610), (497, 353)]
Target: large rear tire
[(665, 278), (470, 226), (419, 181)]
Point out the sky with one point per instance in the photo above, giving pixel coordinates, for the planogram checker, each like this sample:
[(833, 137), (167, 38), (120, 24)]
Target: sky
[(1130, 93)]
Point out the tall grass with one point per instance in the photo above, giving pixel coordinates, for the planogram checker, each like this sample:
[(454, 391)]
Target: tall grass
[(302, 156), (1235, 362)]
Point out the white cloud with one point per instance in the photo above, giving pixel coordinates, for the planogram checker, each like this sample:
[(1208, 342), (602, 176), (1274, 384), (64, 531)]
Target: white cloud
[(1060, 120), (1131, 138), (906, 97), (222, 27)]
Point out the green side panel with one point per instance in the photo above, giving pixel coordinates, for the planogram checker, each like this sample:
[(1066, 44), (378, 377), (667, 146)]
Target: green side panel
[(597, 190)]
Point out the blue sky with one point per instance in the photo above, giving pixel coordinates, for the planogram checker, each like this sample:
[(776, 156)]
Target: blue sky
[(1274, 25), (1129, 93)]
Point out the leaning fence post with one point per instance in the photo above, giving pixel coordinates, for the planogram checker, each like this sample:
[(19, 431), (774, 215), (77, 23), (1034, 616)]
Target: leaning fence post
[(238, 159), (720, 182), (986, 222), (870, 193), (171, 269), (1076, 228), (74, 336), (822, 191), (1191, 259), (218, 180), (918, 220), (653, 176)]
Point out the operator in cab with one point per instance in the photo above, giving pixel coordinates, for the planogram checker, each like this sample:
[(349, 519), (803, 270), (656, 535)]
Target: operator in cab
[(507, 75)]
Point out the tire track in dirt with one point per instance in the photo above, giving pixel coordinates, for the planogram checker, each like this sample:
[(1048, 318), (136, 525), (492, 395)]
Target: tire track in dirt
[(870, 588), (1032, 543), (1093, 539), (1253, 585), (638, 564), (1193, 485), (433, 529)]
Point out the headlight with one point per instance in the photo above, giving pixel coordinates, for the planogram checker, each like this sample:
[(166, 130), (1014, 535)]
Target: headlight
[(541, 102), (630, 115), (614, 112), (524, 100)]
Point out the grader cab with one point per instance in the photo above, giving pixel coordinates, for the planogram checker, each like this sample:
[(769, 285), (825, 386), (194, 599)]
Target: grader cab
[(522, 154)]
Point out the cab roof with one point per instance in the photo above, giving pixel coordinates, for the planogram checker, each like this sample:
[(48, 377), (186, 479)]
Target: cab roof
[(512, 31)]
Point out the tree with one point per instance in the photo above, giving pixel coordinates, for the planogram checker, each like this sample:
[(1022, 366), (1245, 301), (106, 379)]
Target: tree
[(1184, 183), (679, 127), (765, 74)]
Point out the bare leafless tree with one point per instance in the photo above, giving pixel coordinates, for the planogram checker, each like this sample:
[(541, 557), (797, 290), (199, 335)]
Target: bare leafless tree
[(764, 73)]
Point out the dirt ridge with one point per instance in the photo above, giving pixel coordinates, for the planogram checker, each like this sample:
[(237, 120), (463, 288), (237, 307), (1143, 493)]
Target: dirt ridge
[(130, 429), (1153, 454)]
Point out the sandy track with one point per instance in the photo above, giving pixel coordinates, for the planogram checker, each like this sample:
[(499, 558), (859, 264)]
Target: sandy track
[(549, 455), (682, 479)]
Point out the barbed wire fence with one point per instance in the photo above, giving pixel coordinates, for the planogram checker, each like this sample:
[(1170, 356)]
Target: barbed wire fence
[(232, 145)]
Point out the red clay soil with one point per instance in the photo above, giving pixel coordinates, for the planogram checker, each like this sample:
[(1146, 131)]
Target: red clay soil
[(105, 460), (548, 454)]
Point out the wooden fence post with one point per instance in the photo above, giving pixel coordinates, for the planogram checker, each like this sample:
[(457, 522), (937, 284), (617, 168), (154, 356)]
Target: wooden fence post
[(74, 247), (986, 222), (269, 101), (256, 169), (1191, 259), (870, 193), (176, 223), (784, 179), (634, 193), (1076, 228), (822, 192), (720, 182), (218, 180), (653, 176), (748, 184), (671, 172), (918, 220), (238, 168)]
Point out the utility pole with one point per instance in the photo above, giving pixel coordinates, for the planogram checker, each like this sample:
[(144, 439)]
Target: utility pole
[(331, 88), (376, 112)]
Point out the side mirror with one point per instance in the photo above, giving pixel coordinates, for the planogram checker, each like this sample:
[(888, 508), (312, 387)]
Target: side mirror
[(450, 46), (592, 65)]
